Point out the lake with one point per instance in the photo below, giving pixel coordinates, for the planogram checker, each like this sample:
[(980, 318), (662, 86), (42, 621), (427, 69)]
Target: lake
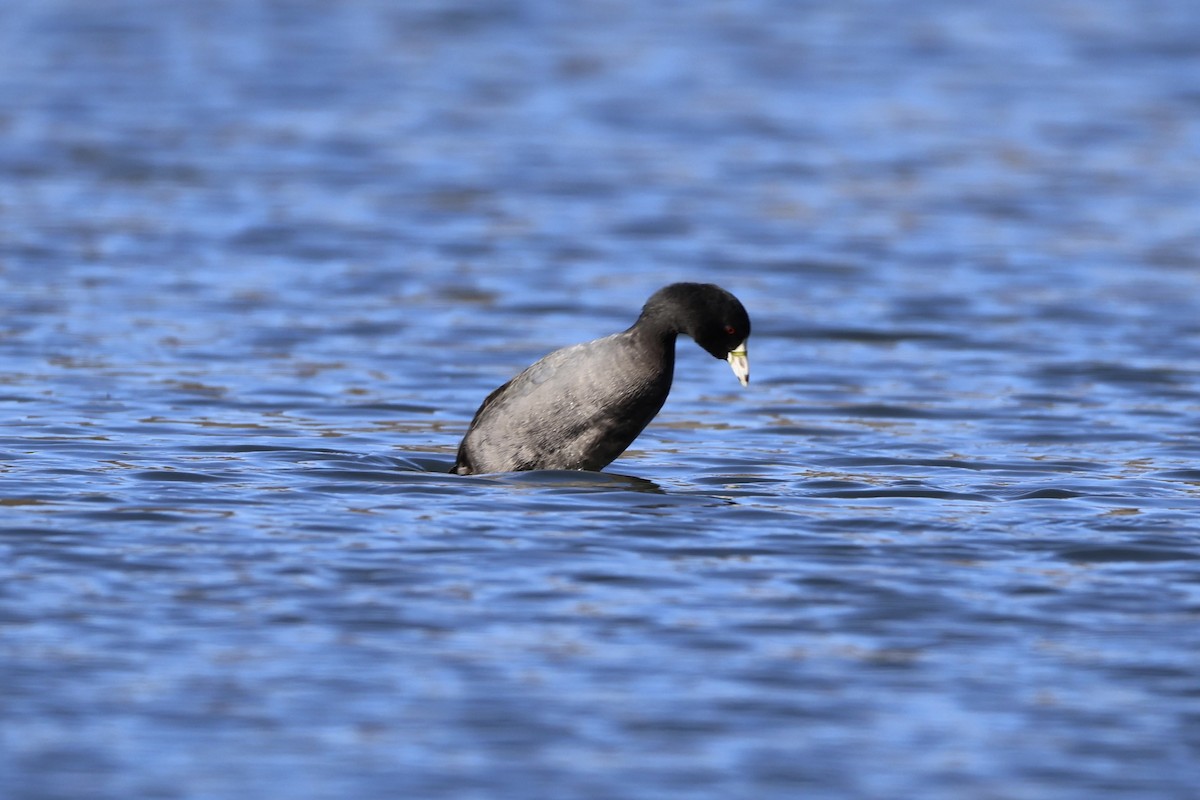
[(261, 261)]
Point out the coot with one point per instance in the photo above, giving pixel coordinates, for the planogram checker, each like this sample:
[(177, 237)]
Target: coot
[(581, 406)]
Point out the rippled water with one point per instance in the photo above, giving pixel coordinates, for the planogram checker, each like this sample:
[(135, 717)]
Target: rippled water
[(260, 262)]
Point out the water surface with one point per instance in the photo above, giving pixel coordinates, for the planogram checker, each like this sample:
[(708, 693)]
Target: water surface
[(260, 262)]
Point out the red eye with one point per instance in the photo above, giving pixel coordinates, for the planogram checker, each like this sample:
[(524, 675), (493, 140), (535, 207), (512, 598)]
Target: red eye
[(730, 330)]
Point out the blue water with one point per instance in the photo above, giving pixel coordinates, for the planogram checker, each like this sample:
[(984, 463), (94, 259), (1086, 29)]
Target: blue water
[(261, 261)]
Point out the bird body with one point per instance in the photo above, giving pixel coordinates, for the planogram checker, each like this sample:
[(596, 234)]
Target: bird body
[(580, 407)]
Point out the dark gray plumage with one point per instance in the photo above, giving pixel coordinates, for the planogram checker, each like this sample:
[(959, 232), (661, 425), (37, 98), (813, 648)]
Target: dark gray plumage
[(581, 406)]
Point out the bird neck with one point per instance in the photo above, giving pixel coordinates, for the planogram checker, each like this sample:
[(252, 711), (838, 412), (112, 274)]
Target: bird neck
[(653, 335), (655, 345)]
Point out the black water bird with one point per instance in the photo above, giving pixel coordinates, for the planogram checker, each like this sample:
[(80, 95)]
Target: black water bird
[(580, 407)]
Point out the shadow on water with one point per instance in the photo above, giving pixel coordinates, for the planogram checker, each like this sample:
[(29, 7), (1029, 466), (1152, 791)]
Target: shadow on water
[(579, 480), (392, 469)]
